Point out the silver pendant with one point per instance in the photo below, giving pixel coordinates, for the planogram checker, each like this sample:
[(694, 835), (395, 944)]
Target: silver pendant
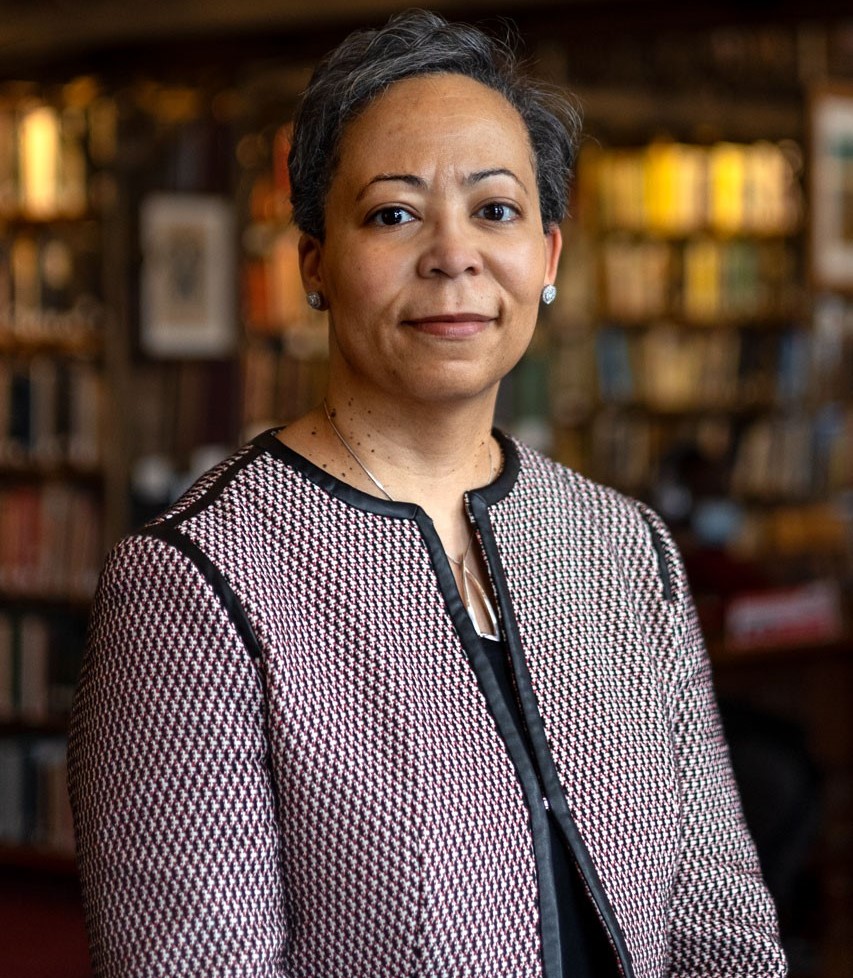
[(487, 604)]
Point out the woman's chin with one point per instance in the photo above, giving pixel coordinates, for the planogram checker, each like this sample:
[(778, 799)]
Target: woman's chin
[(442, 393)]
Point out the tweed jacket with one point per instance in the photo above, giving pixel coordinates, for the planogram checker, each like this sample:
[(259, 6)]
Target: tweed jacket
[(288, 756)]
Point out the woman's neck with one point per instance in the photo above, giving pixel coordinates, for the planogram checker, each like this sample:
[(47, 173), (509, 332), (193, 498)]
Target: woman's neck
[(425, 454)]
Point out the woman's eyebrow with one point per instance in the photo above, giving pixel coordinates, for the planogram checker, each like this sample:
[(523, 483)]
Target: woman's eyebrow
[(500, 171), (407, 178), (419, 183)]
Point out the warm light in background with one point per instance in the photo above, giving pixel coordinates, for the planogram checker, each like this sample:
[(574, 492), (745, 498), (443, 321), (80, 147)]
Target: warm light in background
[(39, 161)]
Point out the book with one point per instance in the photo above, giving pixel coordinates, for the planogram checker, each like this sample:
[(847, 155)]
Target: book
[(7, 666), (616, 382), (802, 615), (50, 540), (34, 806)]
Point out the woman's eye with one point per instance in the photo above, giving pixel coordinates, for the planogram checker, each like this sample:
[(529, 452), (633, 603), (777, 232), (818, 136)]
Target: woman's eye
[(498, 212), (390, 216)]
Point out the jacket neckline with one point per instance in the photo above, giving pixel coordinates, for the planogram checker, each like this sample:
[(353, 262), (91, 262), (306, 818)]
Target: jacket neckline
[(490, 494)]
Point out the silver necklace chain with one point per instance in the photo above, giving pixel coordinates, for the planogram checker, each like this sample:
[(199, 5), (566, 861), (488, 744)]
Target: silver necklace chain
[(352, 452), (469, 578)]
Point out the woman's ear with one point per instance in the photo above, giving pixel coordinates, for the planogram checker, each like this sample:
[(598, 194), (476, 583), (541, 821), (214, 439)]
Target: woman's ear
[(553, 247), (311, 263)]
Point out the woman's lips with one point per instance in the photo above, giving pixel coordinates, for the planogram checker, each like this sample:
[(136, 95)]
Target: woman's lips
[(458, 325)]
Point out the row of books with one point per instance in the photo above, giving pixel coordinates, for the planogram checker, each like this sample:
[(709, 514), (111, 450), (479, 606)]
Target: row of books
[(50, 270), (776, 458), (48, 148), (51, 411), (50, 540), (181, 406), (701, 279), (673, 188), (671, 368), (273, 296), (34, 806), (623, 451), (40, 657), (283, 379), (833, 339), (797, 456), (771, 459), (43, 167)]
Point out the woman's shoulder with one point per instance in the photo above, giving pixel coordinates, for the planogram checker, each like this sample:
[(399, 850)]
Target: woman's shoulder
[(540, 473), (206, 488), (616, 519), (220, 500)]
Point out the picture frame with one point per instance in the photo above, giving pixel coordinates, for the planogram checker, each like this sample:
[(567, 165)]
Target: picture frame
[(831, 188), (187, 294)]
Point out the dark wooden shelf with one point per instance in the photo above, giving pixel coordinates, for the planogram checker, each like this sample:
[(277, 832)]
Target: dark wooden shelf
[(23, 219), (33, 470), (648, 233), (49, 727), (34, 601), (38, 859), (738, 406), (77, 340), (725, 657), (759, 322)]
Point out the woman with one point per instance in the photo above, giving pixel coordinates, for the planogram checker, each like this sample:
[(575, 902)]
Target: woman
[(387, 693)]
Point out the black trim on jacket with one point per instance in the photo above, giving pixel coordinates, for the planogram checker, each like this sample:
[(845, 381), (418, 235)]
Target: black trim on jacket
[(170, 533), (549, 924), (479, 511)]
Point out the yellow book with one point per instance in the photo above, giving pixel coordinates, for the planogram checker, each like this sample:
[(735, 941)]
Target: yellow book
[(661, 172), (692, 189), (626, 192), (702, 279), (727, 163)]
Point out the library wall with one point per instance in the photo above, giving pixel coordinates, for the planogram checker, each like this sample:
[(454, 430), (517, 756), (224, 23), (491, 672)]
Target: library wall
[(693, 359)]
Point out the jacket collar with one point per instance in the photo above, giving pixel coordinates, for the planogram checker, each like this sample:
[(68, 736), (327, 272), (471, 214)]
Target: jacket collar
[(490, 494)]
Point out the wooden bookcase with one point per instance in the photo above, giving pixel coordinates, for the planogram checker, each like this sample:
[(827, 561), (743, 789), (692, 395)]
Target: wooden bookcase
[(57, 464), (692, 366), (676, 326)]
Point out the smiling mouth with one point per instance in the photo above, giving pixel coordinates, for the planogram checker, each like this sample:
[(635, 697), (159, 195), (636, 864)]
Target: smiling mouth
[(455, 317), (457, 325)]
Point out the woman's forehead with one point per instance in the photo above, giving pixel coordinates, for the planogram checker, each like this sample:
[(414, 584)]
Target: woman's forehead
[(438, 92), (436, 119)]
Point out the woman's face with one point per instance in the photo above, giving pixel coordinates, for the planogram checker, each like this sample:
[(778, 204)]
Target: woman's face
[(434, 258)]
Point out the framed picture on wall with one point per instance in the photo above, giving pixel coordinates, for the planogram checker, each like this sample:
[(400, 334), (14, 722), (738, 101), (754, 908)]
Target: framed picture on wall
[(187, 299), (831, 188)]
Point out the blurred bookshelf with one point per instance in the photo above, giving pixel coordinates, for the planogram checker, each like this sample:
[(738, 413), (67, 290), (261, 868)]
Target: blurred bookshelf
[(56, 149), (688, 361), (284, 342), (693, 365), (689, 337)]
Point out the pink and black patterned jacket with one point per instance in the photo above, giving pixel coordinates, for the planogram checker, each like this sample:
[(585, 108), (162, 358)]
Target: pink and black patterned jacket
[(287, 754)]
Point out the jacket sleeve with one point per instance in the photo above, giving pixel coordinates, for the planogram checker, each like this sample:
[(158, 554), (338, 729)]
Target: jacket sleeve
[(722, 920), (173, 800)]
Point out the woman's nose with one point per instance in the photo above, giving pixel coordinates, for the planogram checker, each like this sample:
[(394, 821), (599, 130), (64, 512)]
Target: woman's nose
[(450, 250)]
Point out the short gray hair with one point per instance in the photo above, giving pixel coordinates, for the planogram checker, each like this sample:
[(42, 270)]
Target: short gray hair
[(413, 43)]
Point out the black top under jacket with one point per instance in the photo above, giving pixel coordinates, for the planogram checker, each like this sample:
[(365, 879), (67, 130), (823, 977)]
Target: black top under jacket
[(586, 952)]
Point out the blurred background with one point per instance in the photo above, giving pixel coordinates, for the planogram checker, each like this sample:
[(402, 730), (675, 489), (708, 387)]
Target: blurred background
[(699, 356)]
